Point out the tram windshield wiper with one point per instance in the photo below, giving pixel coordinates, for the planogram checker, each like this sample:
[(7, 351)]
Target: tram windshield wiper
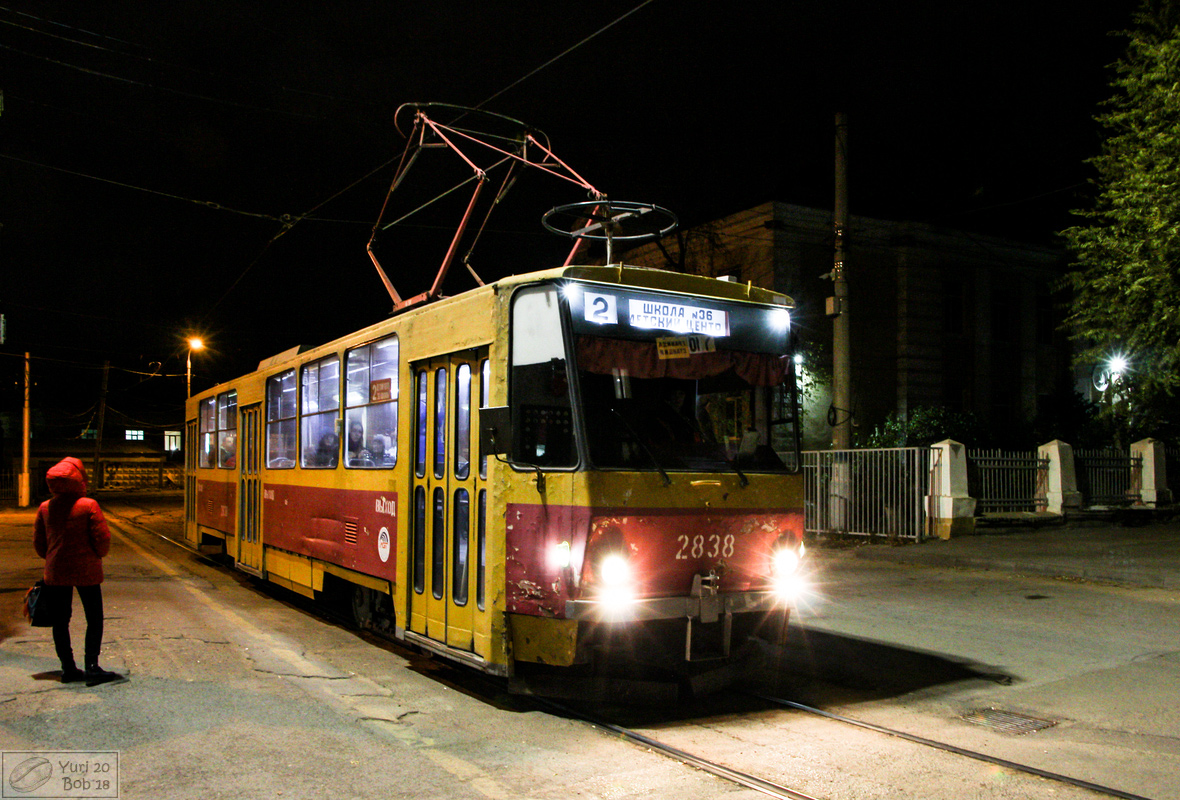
[(733, 464), (643, 444)]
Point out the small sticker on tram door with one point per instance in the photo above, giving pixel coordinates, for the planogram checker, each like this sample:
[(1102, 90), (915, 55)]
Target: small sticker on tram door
[(60, 774), (383, 544)]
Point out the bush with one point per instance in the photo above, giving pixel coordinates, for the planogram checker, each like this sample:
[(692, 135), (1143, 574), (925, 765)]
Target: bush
[(925, 426)]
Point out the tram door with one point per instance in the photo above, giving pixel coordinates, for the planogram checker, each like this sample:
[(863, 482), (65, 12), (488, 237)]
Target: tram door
[(249, 555), (446, 487)]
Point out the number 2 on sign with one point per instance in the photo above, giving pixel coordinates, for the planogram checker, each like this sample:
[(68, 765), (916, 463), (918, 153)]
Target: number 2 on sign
[(700, 545)]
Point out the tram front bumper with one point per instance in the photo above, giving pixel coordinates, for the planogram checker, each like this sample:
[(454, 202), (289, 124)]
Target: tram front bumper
[(705, 608)]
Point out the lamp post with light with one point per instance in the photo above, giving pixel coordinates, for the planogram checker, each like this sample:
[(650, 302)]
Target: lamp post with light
[(194, 343)]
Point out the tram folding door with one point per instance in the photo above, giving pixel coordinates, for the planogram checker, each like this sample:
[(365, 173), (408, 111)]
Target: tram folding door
[(447, 486), (249, 555)]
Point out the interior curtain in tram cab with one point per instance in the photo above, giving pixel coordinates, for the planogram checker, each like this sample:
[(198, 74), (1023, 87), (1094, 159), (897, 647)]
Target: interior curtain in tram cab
[(641, 360)]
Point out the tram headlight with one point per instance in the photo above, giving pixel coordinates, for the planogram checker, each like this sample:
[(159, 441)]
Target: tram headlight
[(786, 561), (786, 579), (616, 589)]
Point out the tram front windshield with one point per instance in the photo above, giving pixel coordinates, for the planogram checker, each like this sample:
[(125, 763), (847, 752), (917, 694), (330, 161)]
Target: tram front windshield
[(706, 412), (665, 382)]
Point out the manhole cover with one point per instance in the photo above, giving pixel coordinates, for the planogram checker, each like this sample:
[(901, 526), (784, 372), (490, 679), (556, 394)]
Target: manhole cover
[(1007, 721)]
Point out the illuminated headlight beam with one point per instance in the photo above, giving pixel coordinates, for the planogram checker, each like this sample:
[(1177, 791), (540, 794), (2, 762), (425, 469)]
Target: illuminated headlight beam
[(617, 592)]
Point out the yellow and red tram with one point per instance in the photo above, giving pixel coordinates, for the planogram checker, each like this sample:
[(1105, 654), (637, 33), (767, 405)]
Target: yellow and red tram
[(579, 470)]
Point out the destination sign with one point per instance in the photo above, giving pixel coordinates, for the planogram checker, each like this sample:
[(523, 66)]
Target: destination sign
[(666, 316), (687, 325)]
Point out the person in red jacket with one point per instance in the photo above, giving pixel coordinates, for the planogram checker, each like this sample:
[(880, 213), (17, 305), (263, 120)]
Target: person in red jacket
[(71, 534)]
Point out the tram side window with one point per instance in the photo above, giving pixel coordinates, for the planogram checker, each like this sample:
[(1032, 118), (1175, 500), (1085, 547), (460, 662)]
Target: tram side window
[(227, 430), (207, 422), (485, 381), (280, 421), (371, 401), (320, 406), (462, 421), (539, 395)]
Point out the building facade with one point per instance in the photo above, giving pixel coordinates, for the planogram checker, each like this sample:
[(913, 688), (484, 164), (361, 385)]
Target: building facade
[(938, 317)]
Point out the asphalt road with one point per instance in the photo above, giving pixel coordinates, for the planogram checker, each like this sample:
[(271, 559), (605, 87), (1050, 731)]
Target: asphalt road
[(235, 691)]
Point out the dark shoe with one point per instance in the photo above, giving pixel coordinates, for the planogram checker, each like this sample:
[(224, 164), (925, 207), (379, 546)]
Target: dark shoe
[(72, 675), (96, 675)]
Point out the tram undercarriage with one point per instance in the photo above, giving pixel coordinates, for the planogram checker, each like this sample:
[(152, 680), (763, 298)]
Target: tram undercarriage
[(658, 660)]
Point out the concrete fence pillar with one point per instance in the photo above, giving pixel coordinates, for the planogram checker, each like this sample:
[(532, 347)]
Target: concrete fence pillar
[(949, 507), (1061, 491), (1154, 475)]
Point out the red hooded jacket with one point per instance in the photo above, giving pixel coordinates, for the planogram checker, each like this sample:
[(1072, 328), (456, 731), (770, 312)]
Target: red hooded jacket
[(70, 532)]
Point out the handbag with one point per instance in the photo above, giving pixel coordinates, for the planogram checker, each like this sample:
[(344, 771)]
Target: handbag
[(37, 610)]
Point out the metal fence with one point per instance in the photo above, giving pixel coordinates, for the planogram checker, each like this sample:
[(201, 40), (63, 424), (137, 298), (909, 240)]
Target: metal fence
[(9, 487), (1108, 477), (867, 492), (1005, 481), (1172, 462)]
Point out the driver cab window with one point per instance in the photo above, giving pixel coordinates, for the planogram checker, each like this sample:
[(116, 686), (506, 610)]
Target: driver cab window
[(542, 420)]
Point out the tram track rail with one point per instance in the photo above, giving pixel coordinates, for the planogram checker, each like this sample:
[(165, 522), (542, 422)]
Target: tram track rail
[(777, 790), (769, 788), (956, 750)]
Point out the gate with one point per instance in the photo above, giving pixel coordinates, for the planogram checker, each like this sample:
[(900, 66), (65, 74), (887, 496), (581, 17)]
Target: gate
[(867, 492)]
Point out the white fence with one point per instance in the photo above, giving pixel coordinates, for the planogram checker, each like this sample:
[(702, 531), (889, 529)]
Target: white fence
[(867, 492), (896, 492)]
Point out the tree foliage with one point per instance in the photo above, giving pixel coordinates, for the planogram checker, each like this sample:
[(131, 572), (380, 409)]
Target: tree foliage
[(925, 425), (1125, 287)]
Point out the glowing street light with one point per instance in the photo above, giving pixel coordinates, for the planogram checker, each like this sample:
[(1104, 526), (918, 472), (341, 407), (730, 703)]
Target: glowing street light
[(194, 343)]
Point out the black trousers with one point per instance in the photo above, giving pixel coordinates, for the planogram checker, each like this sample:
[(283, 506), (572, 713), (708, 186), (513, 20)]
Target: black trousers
[(63, 606)]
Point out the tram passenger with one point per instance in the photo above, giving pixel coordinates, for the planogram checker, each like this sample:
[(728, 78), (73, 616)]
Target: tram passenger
[(325, 453), (357, 452), (71, 534), (379, 451), (227, 453)]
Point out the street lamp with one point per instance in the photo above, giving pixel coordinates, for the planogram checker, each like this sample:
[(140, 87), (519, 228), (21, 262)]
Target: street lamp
[(194, 343)]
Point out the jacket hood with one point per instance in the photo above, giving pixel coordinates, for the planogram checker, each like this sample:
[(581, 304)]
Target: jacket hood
[(68, 476)]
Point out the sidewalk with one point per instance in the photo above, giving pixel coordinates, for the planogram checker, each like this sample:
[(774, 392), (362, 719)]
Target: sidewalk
[(1145, 555)]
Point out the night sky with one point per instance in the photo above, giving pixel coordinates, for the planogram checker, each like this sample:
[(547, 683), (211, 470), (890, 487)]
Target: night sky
[(149, 151)]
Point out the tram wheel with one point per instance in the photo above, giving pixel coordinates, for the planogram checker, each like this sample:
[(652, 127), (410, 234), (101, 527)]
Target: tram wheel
[(362, 606)]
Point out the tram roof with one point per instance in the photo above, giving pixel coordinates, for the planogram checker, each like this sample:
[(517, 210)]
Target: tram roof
[(658, 279), (621, 274)]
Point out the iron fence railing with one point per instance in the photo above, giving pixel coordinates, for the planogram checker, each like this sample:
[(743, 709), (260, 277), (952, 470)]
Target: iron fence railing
[(1006, 481), (867, 492), (9, 487), (1108, 477), (1172, 464)]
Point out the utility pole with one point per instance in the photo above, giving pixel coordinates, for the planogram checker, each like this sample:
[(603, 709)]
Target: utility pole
[(102, 413), (840, 417), (24, 494)]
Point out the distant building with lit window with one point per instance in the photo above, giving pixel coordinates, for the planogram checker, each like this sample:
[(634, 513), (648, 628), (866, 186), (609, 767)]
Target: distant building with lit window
[(939, 317)]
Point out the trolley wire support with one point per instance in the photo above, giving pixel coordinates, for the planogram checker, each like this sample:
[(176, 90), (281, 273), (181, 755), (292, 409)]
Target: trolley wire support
[(612, 221), (523, 147)]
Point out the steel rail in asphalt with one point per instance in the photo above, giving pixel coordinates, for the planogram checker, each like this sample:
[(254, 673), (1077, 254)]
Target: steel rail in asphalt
[(950, 748), (735, 776)]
